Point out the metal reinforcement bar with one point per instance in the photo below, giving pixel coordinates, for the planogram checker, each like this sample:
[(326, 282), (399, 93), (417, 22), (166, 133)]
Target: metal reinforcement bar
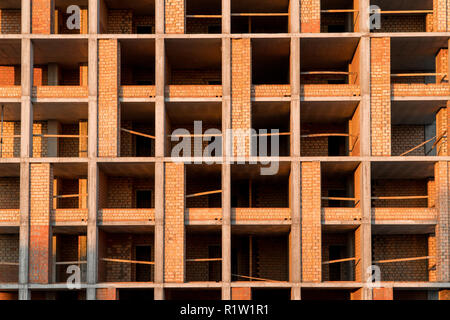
[(203, 193), (127, 261), (339, 260), (138, 133)]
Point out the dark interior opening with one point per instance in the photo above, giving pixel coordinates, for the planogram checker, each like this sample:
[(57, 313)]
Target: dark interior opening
[(136, 294), (271, 294), (143, 271), (143, 199)]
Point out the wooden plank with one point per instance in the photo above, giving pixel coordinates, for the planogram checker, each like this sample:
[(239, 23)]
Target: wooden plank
[(9, 263), (417, 147), (404, 259), (70, 196), (203, 193), (127, 261), (339, 10), (138, 133), (260, 14), (403, 11), (204, 260), (417, 74), (273, 134), (254, 278), (326, 72), (400, 198), (206, 16), (71, 262), (326, 135), (339, 198), (339, 260)]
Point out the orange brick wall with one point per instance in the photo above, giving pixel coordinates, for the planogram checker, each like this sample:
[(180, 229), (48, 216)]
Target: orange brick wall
[(9, 193), (40, 252), (406, 137), (9, 252), (201, 25), (108, 105), (241, 293), (380, 96), (443, 227), (310, 15), (107, 294), (386, 247), (241, 94), (9, 75), (120, 21), (10, 21), (174, 232), (442, 66), (440, 15), (10, 147), (399, 187), (42, 16), (175, 21), (311, 222), (403, 23)]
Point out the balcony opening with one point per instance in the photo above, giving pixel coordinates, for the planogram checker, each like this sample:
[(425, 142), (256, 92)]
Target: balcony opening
[(330, 129), (127, 17), (126, 256), (260, 16), (270, 61), (126, 186), (203, 254), (405, 294), (419, 61), (395, 185), (10, 17), (137, 137), (10, 66), (338, 16), (250, 189), (10, 128), (137, 62), (403, 254), (195, 126), (60, 130), (272, 294), (193, 62), (408, 16), (203, 186), (69, 295), (193, 294), (272, 124), (260, 254), (63, 11), (417, 128), (327, 294), (9, 255), (341, 186), (135, 294), (338, 254), (203, 16), (60, 62), (321, 66), (69, 247)]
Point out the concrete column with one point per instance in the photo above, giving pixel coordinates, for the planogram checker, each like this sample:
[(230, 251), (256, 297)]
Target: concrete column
[(294, 16), (53, 74), (160, 114), (92, 231), (226, 169), (53, 127), (25, 152), (92, 183), (364, 105), (226, 16), (295, 239), (295, 97), (365, 237), (26, 16), (94, 17), (159, 228), (159, 15), (364, 13)]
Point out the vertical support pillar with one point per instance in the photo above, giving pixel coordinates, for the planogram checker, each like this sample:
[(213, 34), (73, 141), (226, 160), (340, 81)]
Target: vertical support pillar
[(175, 20), (108, 98), (241, 70), (439, 15), (364, 233), (174, 231), (310, 16), (311, 222), (380, 96), (40, 244), (42, 16), (442, 229), (226, 167), (53, 128), (226, 16), (26, 147), (92, 183)]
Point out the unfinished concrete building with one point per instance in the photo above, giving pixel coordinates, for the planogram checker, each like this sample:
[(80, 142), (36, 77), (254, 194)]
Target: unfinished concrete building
[(92, 184)]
